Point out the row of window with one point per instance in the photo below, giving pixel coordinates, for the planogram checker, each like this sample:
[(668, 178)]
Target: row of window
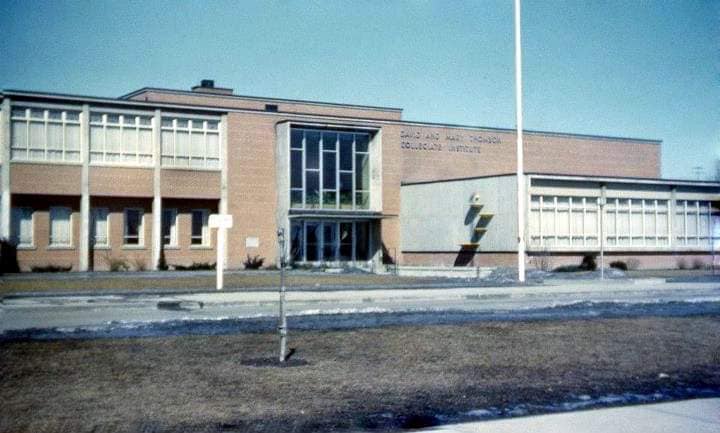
[(60, 227), (329, 169), (557, 221), (54, 135)]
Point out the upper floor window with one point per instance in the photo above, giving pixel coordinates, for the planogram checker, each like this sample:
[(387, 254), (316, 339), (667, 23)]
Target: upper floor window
[(121, 139), (329, 169), (40, 134), (192, 143)]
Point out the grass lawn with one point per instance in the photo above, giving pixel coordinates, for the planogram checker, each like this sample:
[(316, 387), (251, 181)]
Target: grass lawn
[(380, 378), (187, 281)]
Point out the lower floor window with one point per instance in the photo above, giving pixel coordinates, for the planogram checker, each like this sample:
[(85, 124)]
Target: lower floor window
[(22, 226), (169, 227), (60, 226), (100, 227), (329, 241), (133, 233), (199, 232)]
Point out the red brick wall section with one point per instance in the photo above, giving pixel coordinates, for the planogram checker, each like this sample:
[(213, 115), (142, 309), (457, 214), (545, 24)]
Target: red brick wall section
[(433, 153), (46, 179), (42, 254)]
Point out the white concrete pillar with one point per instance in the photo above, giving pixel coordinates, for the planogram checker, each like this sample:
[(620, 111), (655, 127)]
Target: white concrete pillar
[(223, 206), (157, 197), (5, 170), (671, 217), (84, 247)]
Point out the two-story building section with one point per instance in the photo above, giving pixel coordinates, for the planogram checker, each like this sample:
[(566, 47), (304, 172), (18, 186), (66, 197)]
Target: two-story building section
[(90, 182)]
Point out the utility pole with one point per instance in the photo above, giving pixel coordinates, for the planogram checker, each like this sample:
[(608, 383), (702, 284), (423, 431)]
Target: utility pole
[(520, 169), (282, 325)]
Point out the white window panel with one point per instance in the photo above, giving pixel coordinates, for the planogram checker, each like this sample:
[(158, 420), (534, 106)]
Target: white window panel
[(22, 226), (190, 143), (45, 135), (100, 227), (169, 227), (124, 139), (60, 226)]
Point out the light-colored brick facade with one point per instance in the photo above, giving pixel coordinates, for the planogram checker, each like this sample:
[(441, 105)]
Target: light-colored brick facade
[(409, 152)]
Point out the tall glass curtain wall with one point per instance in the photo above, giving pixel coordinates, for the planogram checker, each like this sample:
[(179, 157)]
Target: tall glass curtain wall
[(329, 169)]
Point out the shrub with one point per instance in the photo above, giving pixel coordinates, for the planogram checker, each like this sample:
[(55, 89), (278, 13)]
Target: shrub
[(8, 257), (588, 263), (567, 268), (619, 264), (115, 264), (139, 264), (196, 266), (698, 264), (633, 264), (542, 261), (682, 264), (51, 268), (253, 262)]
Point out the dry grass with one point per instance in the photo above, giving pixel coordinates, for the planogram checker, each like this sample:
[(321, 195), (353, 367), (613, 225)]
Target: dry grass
[(198, 383), (131, 281)]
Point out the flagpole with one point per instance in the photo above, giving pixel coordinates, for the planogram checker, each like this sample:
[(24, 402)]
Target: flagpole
[(520, 169)]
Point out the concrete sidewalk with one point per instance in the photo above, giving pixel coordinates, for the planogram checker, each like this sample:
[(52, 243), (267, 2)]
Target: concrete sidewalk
[(691, 416)]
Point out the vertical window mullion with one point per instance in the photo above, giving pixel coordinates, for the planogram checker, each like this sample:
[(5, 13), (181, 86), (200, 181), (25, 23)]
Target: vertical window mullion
[(321, 173), (63, 126), (304, 172), (540, 217), (354, 187), (584, 222)]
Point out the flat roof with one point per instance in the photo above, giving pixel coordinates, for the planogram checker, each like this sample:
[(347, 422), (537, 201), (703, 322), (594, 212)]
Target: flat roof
[(255, 98), (581, 178), (58, 97)]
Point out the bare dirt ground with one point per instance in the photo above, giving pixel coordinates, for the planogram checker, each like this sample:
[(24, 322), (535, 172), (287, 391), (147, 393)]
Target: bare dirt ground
[(378, 379)]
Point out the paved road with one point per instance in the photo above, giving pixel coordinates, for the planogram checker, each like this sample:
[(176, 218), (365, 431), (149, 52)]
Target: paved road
[(691, 416), (19, 313)]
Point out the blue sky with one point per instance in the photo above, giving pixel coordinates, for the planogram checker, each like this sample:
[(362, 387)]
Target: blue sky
[(648, 69)]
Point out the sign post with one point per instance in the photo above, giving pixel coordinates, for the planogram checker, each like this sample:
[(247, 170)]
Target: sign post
[(221, 222), (282, 325)]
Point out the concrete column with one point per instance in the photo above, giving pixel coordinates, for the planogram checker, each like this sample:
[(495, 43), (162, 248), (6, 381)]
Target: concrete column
[(84, 247), (223, 206), (5, 170), (671, 217), (157, 198)]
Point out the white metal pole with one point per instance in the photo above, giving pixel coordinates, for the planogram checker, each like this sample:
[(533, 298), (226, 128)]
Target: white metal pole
[(220, 263), (520, 168)]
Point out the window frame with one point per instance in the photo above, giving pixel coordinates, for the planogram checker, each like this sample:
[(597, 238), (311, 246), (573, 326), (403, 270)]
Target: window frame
[(205, 231), (141, 229), (141, 159), (173, 241), (51, 240), (26, 119), (93, 218), (340, 172), (169, 159), (15, 237)]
